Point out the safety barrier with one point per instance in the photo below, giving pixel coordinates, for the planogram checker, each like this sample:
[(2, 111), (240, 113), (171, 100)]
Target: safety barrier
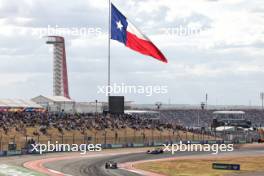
[(127, 145)]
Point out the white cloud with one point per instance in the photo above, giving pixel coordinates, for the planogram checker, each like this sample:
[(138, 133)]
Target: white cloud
[(228, 51)]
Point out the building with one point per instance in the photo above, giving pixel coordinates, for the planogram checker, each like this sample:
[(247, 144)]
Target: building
[(63, 104), (55, 103)]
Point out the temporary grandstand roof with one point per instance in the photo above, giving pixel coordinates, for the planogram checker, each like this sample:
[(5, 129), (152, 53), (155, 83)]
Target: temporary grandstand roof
[(18, 103), (225, 128), (229, 112), (140, 112), (54, 98), (59, 99)]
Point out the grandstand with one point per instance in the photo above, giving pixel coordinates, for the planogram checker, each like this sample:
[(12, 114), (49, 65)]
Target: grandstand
[(230, 118), (160, 126), (198, 117), (23, 127)]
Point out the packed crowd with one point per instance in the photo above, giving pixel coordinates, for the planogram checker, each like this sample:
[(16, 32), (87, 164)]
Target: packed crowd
[(185, 120), (197, 117), (81, 122)]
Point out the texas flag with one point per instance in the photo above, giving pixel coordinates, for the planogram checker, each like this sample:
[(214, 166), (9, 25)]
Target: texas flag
[(125, 32)]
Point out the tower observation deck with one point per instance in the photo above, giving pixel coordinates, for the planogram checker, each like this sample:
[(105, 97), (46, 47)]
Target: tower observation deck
[(60, 75)]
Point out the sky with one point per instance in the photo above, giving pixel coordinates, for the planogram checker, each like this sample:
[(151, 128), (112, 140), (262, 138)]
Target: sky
[(212, 46)]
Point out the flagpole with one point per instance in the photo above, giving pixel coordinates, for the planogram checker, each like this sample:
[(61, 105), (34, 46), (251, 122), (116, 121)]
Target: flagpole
[(109, 51)]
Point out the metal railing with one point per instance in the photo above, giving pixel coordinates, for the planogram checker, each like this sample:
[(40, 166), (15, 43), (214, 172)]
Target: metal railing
[(103, 137)]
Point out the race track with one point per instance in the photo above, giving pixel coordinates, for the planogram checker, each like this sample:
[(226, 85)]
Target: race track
[(95, 166)]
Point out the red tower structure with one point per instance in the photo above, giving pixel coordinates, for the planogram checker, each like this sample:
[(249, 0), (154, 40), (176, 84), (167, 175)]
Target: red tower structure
[(60, 74)]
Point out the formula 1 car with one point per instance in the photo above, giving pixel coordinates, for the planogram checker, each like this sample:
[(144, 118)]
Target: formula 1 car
[(155, 151), (111, 165)]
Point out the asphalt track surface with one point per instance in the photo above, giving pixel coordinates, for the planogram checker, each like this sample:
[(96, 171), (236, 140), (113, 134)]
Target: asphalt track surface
[(92, 164), (96, 166)]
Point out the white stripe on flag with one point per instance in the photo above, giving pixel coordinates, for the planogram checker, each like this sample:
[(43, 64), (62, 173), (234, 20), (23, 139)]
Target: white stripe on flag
[(134, 30)]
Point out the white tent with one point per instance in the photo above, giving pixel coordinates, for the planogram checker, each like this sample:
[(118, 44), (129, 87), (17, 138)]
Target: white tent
[(18, 103)]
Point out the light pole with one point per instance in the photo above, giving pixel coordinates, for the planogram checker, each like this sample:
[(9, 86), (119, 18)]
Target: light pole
[(206, 100), (96, 101), (262, 98), (198, 122)]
